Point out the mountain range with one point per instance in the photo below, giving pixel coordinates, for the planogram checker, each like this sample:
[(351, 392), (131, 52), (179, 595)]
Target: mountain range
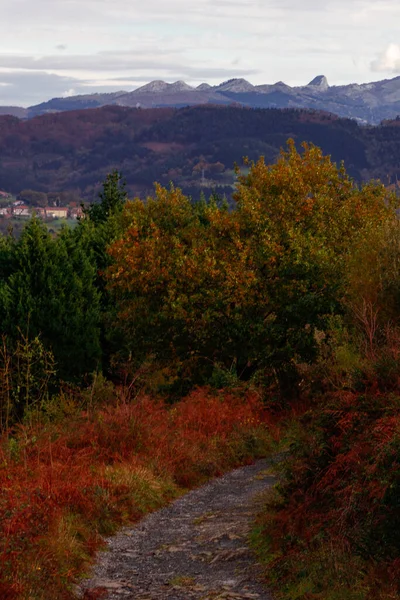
[(367, 103)]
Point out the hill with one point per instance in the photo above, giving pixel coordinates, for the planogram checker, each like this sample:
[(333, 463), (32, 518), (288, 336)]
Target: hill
[(194, 147)]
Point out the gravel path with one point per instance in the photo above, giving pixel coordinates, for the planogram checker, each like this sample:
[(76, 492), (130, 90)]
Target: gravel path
[(194, 549)]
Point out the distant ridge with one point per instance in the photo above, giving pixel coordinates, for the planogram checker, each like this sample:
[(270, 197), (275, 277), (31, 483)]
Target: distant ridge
[(366, 103), (193, 147), (14, 111)]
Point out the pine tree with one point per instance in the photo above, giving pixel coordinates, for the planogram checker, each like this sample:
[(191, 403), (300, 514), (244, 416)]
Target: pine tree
[(51, 293), (112, 199)]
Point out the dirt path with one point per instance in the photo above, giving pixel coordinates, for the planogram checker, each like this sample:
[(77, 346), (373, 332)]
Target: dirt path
[(194, 549)]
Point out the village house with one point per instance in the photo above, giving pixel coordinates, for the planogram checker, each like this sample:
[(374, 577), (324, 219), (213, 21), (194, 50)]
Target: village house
[(21, 210), (39, 211), (76, 213), (57, 212)]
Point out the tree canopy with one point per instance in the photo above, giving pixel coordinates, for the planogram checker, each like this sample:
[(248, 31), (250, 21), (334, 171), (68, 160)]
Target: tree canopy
[(249, 288)]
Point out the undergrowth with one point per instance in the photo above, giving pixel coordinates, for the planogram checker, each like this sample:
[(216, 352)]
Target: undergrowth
[(68, 479), (330, 529)]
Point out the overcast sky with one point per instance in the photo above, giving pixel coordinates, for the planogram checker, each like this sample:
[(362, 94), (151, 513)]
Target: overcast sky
[(54, 48)]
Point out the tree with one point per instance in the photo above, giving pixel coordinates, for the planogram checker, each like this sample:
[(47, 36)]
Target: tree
[(33, 197), (50, 293), (6, 250), (100, 226), (184, 285), (112, 199), (199, 286), (373, 290), (301, 217)]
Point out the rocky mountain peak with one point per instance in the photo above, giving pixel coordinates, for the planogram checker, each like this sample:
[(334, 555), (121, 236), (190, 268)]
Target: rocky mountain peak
[(319, 82), (153, 87), (235, 85), (281, 85), (203, 87), (180, 86)]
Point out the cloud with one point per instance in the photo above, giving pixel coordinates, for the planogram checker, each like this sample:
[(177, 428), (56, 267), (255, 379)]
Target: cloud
[(101, 61), (94, 45), (30, 87), (24, 88), (388, 61)]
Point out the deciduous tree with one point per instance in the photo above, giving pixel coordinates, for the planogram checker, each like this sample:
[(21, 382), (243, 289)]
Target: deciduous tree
[(247, 289)]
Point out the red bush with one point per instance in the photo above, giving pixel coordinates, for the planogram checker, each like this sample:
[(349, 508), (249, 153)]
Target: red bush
[(55, 478)]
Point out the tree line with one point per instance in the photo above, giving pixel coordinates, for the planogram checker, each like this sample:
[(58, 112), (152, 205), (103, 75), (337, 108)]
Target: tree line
[(293, 293), (191, 293)]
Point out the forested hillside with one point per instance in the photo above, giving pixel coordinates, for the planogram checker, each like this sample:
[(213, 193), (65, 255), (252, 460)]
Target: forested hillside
[(195, 148), (158, 343)]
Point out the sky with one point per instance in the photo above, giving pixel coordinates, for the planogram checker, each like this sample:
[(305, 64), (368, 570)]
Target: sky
[(53, 48)]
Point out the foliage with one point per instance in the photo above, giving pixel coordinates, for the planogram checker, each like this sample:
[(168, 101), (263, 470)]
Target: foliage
[(26, 373), (48, 291), (178, 274), (112, 199), (247, 288), (373, 292), (97, 230), (297, 288), (52, 292), (80, 147), (332, 529), (65, 482)]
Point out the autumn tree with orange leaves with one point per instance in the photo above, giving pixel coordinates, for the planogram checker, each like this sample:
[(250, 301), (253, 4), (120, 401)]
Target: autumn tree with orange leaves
[(199, 286)]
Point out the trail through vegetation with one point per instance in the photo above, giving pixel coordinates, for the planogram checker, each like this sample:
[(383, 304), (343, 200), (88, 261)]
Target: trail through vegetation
[(162, 343), (197, 548), (69, 480)]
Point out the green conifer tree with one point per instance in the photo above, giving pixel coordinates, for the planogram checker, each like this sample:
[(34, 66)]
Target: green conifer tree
[(51, 293)]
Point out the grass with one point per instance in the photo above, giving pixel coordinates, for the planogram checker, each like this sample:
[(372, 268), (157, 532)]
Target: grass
[(67, 481)]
